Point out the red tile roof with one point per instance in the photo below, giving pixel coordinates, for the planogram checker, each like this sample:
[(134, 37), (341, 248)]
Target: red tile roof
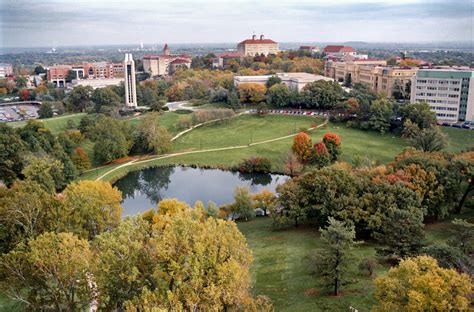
[(257, 41), (229, 54), (338, 48), (180, 61)]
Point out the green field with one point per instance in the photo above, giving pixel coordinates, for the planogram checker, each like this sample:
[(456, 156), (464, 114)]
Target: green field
[(242, 130), (459, 139), (55, 124), (281, 268)]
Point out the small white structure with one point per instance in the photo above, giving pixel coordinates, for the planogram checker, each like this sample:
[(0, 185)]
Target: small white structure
[(130, 82), (294, 81)]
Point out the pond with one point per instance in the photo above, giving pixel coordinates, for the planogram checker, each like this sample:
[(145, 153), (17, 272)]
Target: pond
[(143, 189)]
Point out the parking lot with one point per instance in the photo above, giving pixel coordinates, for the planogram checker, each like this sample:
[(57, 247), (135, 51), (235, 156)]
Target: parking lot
[(10, 113)]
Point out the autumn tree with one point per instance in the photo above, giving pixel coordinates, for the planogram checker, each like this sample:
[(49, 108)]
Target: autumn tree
[(302, 146), (320, 156), (93, 207), (419, 284), (264, 200), (151, 137), (46, 171), (334, 259), (180, 260), (81, 159), (333, 144), (243, 206), (292, 164), (48, 273), (251, 92)]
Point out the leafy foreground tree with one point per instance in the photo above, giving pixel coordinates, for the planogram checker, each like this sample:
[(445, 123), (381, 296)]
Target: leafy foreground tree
[(48, 273), (175, 259), (419, 284), (430, 139), (332, 262)]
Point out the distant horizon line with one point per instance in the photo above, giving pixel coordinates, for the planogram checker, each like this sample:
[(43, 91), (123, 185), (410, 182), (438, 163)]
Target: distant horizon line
[(137, 44)]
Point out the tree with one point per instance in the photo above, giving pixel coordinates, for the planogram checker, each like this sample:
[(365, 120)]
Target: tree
[(262, 109), (292, 164), (273, 80), (104, 97), (71, 75), (151, 137), (251, 92), (402, 235), (45, 111), (320, 155), (80, 98), (322, 94), (243, 206), (334, 259), (333, 144), (81, 159), (182, 260), (302, 146), (450, 257), (463, 236), (114, 139), (46, 171), (26, 211), (291, 207), (419, 284), (24, 94), (39, 70), (381, 112), (418, 113), (93, 207), (50, 272), (430, 139), (279, 95), (12, 149), (264, 200)]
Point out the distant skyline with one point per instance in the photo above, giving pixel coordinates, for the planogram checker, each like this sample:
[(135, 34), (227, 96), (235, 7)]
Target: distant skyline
[(27, 23)]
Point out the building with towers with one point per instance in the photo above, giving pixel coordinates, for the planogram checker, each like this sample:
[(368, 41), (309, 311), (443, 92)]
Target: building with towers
[(166, 63), (254, 46), (130, 82)]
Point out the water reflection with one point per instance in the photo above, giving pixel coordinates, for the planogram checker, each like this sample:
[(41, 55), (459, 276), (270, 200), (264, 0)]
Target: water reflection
[(144, 189)]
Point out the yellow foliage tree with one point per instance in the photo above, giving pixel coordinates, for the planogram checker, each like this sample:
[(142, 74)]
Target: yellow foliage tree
[(252, 92), (419, 284)]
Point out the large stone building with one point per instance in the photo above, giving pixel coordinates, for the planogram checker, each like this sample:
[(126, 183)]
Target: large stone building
[(58, 74), (339, 51), (448, 90), (294, 81), (374, 73), (166, 63), (5, 70), (254, 46), (130, 82)]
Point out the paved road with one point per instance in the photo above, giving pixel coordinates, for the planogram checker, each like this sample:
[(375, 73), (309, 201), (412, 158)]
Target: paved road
[(173, 106)]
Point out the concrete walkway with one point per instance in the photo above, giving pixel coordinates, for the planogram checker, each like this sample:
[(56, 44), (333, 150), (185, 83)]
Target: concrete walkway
[(158, 157)]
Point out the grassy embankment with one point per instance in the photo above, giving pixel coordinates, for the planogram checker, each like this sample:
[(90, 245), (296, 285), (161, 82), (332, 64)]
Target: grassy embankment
[(281, 268)]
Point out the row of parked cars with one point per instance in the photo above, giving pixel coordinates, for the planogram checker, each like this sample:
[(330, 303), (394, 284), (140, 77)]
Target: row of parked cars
[(293, 112), (464, 125)]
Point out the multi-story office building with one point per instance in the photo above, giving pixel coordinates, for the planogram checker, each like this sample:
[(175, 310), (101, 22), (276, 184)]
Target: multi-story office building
[(58, 74), (166, 63), (448, 90), (254, 46)]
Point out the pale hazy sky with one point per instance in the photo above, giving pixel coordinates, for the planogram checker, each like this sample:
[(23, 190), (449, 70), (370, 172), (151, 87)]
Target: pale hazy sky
[(26, 23)]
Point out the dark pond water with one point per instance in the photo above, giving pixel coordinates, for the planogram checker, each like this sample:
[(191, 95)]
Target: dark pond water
[(144, 189)]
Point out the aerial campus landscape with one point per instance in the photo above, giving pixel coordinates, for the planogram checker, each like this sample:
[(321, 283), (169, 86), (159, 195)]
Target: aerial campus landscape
[(236, 156)]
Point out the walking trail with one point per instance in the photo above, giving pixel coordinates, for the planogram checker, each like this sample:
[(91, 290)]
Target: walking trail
[(158, 157)]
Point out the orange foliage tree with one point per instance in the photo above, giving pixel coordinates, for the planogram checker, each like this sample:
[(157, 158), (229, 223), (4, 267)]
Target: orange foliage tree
[(302, 146)]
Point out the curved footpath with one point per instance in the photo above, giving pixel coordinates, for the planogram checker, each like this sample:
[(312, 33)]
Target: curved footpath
[(137, 161)]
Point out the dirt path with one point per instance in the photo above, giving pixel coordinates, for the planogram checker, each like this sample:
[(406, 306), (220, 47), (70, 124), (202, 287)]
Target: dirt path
[(137, 161)]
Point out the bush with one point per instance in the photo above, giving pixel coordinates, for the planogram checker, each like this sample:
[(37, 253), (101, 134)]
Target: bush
[(368, 265), (255, 165), (184, 122)]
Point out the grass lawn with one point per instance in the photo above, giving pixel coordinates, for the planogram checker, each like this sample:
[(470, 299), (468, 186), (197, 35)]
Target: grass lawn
[(55, 124), (281, 268), (459, 139)]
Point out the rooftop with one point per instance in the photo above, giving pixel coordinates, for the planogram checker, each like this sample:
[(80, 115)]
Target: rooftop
[(338, 48)]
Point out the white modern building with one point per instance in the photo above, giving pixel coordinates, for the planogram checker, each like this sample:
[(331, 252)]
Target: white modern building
[(294, 81), (448, 90), (130, 82)]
